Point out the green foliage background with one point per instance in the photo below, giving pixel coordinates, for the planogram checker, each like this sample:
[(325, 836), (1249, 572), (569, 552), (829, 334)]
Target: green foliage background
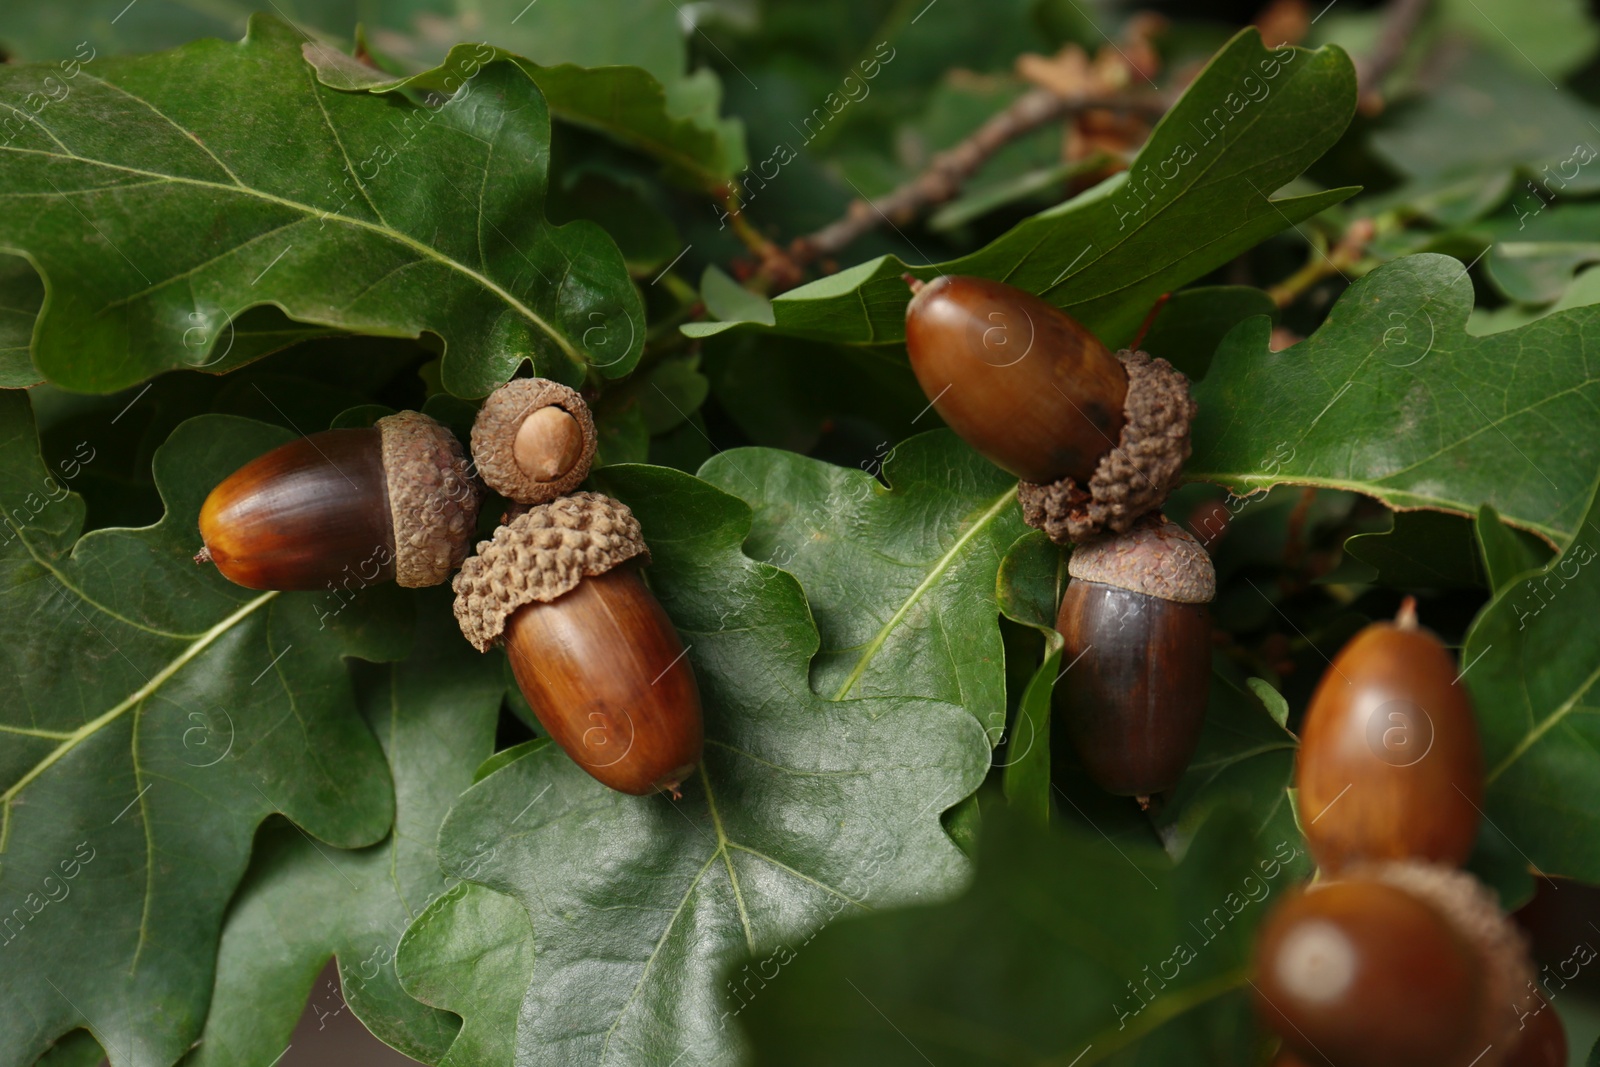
[(221, 228)]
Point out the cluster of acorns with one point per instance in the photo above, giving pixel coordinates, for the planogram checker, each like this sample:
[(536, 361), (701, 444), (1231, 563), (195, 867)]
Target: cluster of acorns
[(1098, 441), (558, 584), (1393, 956)]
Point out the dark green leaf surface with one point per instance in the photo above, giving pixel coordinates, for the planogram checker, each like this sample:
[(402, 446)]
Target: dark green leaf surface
[(471, 952), (1028, 586), (1068, 950), (1421, 549), (158, 713), (1506, 552), (1245, 753), (1193, 323), (1532, 660), (804, 808), (21, 293), (901, 580), (623, 102), (1392, 398), (346, 210), (1196, 196), (435, 715)]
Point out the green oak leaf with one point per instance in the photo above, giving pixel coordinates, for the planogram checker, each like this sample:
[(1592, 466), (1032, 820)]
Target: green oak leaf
[(435, 716), (642, 33), (21, 293), (471, 952), (1068, 950), (1245, 751), (901, 580), (1426, 549), (622, 102), (346, 210), (1392, 398), (1029, 586), (1487, 114), (804, 808), (1532, 661), (1198, 194), (1193, 322), (159, 713), (1506, 552)]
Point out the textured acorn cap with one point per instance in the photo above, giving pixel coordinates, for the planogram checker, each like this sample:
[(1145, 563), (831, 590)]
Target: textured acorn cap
[(1136, 475), (433, 498), (1473, 912), (494, 436), (540, 555), (1157, 558)]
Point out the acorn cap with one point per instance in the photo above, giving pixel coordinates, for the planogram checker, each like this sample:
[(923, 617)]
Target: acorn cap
[(494, 437), (1473, 912), (1136, 475), (1157, 558), (540, 555), (433, 498)]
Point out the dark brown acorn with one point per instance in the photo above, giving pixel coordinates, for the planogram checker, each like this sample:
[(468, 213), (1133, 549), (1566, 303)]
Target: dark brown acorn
[(592, 650), (1026, 385), (1137, 655), (1390, 765), (395, 501), (533, 440), (1399, 965)]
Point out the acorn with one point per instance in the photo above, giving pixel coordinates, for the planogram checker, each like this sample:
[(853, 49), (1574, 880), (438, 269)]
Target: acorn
[(1390, 765), (533, 440), (1399, 964), (1138, 647), (395, 501), (1097, 439), (1541, 1039), (592, 650)]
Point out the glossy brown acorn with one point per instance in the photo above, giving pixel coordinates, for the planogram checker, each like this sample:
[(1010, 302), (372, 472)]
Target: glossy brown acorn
[(591, 647), (1401, 966), (1138, 653), (1390, 765), (1018, 379), (605, 672), (345, 508)]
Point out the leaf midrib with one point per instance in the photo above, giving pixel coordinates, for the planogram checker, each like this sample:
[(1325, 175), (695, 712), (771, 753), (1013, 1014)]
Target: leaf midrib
[(310, 213), (133, 700), (938, 569)]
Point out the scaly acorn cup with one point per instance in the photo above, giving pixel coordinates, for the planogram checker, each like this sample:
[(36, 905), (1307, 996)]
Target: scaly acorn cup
[(533, 440), (1393, 965), (1097, 439), (393, 501), (1138, 637), (591, 648), (1390, 766)]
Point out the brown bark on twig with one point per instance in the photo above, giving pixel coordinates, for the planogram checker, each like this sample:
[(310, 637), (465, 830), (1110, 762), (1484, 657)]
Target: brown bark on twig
[(1399, 25), (948, 172)]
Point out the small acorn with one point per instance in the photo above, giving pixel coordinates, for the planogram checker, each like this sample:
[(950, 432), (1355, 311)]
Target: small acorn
[(592, 650), (1138, 650), (1097, 439), (1397, 965), (533, 440), (395, 501), (1390, 766)]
